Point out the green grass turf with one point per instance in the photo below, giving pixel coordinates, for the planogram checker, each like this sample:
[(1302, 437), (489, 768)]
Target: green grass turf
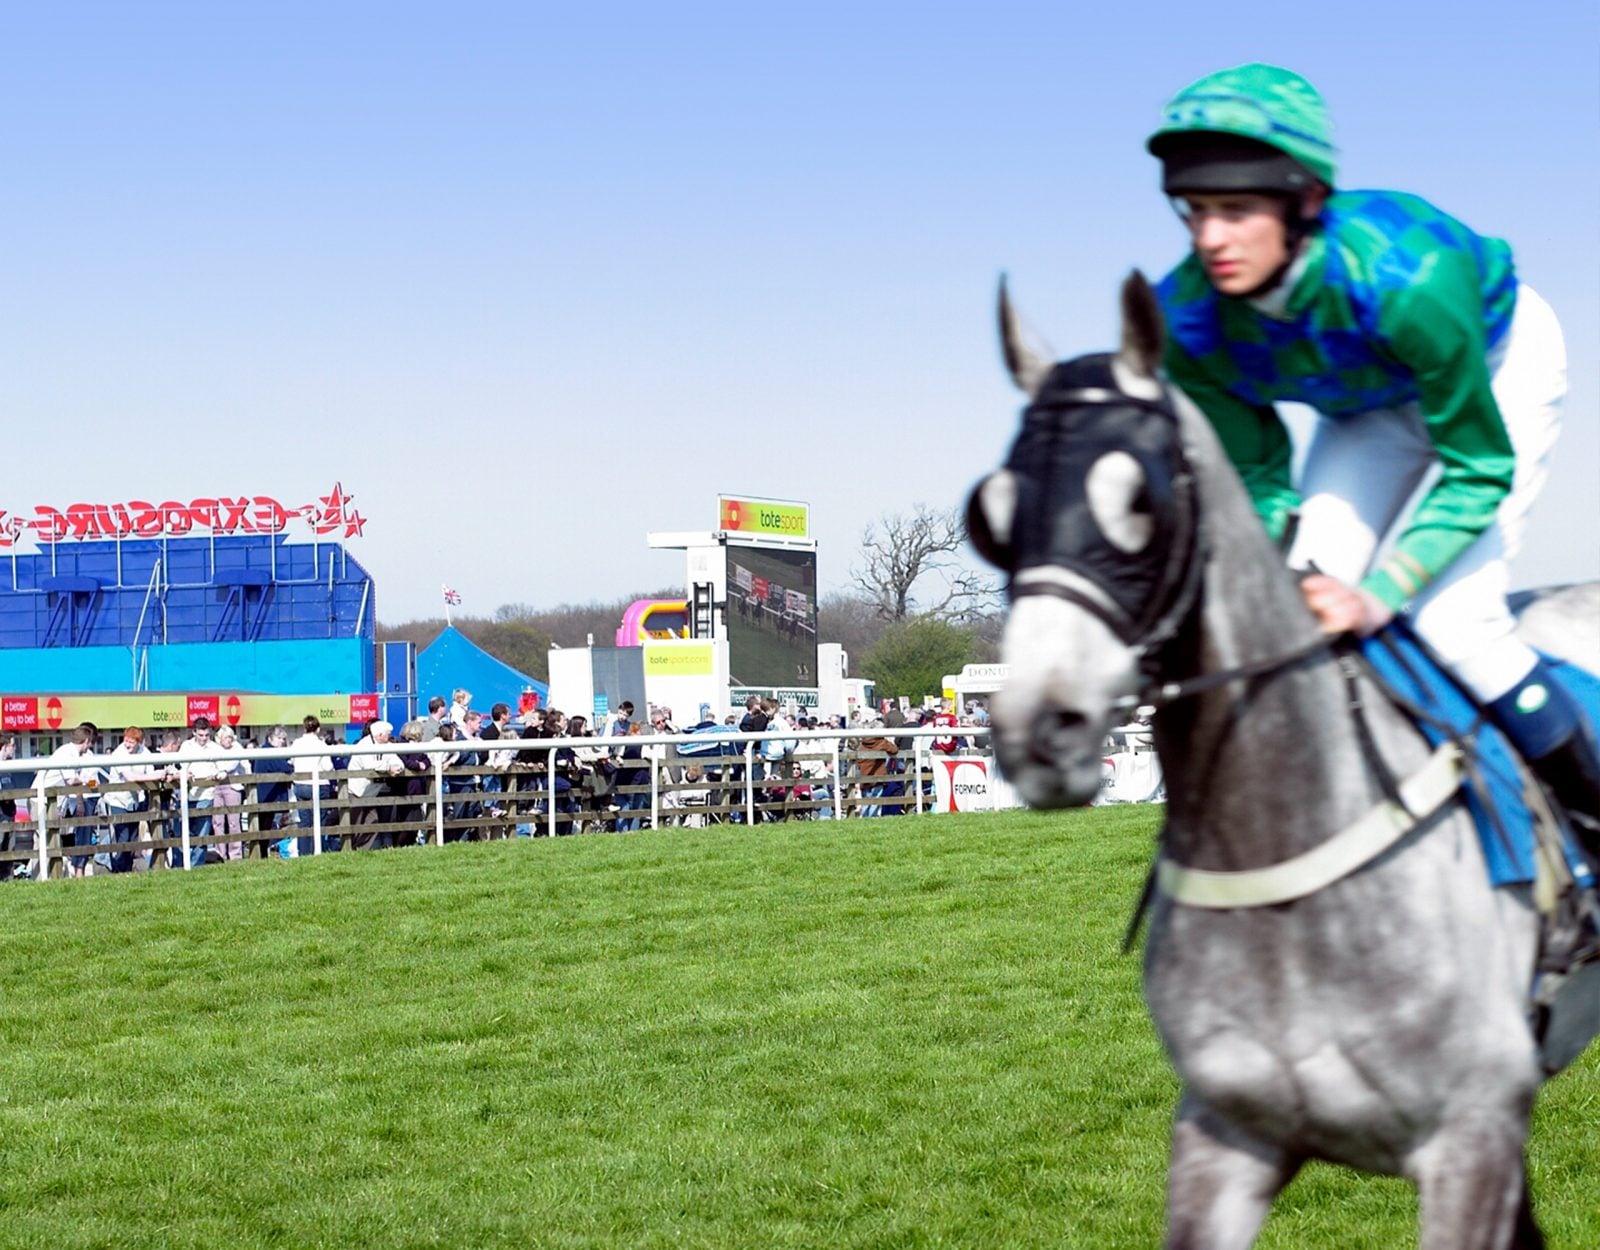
[(903, 1032)]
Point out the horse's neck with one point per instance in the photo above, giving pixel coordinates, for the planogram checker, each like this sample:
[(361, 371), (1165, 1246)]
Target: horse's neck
[(1262, 769)]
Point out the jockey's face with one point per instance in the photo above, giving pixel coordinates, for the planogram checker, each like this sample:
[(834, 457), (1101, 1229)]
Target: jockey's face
[(1241, 239)]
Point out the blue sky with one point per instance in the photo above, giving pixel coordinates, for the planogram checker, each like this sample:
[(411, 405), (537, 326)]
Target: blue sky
[(532, 280)]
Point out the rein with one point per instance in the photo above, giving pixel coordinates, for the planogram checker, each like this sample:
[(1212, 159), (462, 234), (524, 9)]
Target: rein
[(1175, 691)]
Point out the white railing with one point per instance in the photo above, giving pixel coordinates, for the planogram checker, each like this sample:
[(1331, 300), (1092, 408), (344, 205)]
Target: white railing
[(740, 753)]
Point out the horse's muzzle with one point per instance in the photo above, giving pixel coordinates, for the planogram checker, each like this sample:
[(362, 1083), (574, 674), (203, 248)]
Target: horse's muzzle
[(1057, 762)]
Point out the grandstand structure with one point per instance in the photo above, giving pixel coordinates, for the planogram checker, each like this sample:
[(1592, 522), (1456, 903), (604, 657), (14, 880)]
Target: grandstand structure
[(120, 628)]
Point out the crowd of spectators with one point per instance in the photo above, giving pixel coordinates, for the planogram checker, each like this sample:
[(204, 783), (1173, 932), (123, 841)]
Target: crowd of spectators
[(376, 794)]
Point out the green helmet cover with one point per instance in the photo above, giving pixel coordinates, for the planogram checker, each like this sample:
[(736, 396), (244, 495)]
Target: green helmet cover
[(1266, 103)]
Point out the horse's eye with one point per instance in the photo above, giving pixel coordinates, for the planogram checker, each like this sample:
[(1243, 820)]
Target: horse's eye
[(1119, 500)]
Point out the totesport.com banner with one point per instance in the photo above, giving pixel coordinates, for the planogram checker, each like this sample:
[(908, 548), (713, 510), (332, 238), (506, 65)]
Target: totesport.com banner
[(678, 659), (777, 517), (48, 712)]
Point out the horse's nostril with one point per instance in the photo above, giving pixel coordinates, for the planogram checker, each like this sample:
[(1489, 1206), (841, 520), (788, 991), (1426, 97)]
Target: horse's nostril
[(1056, 732)]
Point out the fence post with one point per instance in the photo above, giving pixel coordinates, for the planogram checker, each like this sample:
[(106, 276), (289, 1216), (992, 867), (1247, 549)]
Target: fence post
[(749, 784), (655, 791), (550, 789), (917, 756), (316, 805), (183, 815), (838, 781), (41, 827), (438, 798)]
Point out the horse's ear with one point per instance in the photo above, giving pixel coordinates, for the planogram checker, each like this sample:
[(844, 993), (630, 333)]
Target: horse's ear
[(991, 508), (1143, 335), (1028, 367)]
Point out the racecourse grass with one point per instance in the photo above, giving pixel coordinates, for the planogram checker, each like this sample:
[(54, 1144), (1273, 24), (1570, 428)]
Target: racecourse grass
[(889, 1033)]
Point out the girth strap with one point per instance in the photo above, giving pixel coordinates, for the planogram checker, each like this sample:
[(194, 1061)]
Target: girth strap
[(1421, 794)]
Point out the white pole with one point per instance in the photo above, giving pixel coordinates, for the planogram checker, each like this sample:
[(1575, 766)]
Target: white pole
[(550, 788), (838, 783), (316, 805), (183, 815), (749, 784), (438, 799), (41, 832)]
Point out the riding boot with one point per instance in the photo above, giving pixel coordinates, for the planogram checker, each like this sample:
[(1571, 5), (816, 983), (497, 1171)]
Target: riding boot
[(1572, 771), (1547, 726)]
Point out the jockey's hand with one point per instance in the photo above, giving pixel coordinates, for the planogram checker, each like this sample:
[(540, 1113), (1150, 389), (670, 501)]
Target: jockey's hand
[(1342, 609)]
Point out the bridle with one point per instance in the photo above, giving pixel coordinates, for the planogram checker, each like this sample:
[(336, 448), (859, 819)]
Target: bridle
[(1157, 621)]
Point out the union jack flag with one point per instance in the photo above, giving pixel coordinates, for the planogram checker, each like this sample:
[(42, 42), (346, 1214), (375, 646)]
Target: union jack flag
[(452, 597)]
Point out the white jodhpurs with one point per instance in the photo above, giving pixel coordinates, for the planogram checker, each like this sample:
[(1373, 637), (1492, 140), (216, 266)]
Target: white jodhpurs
[(1360, 471)]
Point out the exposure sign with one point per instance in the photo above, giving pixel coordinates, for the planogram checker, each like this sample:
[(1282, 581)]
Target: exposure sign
[(775, 518), (332, 514)]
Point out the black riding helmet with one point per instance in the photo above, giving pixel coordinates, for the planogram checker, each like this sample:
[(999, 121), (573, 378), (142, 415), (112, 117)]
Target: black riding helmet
[(1254, 129), (1210, 162)]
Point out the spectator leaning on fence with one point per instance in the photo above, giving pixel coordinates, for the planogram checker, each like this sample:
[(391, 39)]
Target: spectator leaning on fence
[(314, 761), (458, 782), (499, 726), (165, 800), (412, 784), (365, 788), (94, 776), (67, 770), (228, 794), (873, 760), (275, 791), (946, 742), (125, 796), (590, 778), (202, 776)]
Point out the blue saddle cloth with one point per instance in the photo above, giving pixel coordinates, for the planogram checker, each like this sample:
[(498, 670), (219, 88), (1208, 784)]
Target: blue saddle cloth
[(1508, 845)]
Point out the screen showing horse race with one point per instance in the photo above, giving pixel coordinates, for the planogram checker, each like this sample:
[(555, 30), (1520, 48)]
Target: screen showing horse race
[(772, 616)]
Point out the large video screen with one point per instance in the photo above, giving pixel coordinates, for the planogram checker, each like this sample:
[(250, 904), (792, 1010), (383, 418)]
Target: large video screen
[(772, 616)]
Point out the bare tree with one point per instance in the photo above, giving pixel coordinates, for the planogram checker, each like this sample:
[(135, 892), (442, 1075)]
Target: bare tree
[(901, 552)]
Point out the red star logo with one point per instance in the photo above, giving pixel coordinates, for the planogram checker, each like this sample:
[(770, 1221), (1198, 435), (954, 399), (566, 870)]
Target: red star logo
[(332, 513)]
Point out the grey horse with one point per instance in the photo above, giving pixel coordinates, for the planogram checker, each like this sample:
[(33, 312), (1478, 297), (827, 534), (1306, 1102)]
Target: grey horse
[(1378, 1019)]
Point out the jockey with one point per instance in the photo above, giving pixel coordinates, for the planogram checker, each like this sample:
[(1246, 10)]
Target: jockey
[(1417, 345)]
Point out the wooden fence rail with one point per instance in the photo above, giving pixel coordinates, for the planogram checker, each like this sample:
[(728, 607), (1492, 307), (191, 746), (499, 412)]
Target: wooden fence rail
[(179, 822)]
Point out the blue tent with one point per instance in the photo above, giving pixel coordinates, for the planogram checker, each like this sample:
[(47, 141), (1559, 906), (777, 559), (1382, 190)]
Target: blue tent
[(453, 660)]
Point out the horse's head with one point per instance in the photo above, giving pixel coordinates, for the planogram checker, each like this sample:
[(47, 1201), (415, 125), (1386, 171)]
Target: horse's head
[(1093, 519)]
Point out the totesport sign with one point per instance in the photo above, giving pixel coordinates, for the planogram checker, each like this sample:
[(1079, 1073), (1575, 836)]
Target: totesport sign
[(43, 713), (773, 517), (331, 514)]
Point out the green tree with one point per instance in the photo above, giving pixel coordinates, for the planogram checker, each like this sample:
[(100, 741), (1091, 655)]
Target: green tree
[(518, 643), (913, 657)]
